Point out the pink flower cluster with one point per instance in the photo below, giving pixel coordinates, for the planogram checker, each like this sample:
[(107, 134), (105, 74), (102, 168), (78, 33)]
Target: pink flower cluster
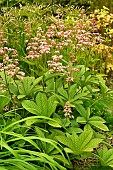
[(67, 110), (9, 58), (56, 66)]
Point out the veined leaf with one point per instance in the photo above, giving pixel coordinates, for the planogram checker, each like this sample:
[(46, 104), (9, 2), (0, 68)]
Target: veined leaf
[(63, 92), (96, 118), (31, 107), (72, 91), (105, 156), (4, 100), (65, 141), (36, 81), (25, 86), (84, 139), (92, 144), (42, 104), (81, 120), (99, 125), (81, 110)]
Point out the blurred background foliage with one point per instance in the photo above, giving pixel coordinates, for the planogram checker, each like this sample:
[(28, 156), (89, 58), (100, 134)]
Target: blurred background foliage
[(88, 4)]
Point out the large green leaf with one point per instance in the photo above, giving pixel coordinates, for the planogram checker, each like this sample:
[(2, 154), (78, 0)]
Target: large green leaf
[(82, 110), (84, 139), (105, 156), (28, 85), (42, 103), (4, 100), (65, 141), (45, 106), (79, 144), (25, 86), (96, 118), (99, 125), (92, 144), (81, 120), (31, 107), (63, 92)]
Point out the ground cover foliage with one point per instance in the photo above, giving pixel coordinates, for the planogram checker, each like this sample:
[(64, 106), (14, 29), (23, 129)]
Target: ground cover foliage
[(56, 96)]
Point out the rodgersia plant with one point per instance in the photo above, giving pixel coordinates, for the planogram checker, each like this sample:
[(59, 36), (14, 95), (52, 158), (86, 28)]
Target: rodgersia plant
[(9, 70), (57, 112)]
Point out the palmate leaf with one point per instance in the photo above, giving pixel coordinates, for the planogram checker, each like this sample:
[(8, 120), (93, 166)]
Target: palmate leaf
[(25, 86), (35, 82), (84, 139), (105, 156), (63, 92), (79, 144), (72, 91), (46, 106), (81, 120), (43, 105), (28, 84), (97, 118), (65, 141)]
